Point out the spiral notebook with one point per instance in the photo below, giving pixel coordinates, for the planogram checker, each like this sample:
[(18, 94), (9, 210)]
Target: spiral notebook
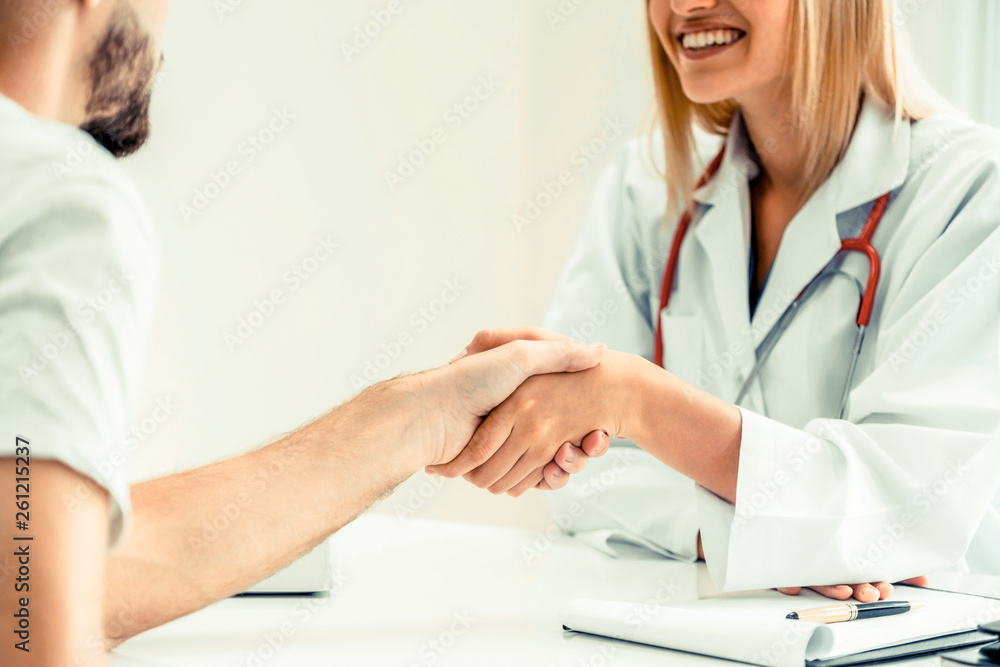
[(752, 628)]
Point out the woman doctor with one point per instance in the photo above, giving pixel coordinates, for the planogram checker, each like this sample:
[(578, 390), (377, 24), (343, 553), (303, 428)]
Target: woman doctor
[(793, 451)]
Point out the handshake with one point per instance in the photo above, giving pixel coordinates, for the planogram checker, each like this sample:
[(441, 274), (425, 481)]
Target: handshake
[(518, 409)]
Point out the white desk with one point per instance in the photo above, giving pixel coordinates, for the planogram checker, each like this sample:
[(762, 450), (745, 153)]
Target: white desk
[(418, 593)]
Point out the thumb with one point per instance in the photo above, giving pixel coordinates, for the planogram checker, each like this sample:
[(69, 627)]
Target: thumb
[(496, 374), (489, 339), (537, 357)]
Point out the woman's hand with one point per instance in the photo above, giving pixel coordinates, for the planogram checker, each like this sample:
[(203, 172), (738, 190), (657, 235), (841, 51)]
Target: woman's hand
[(570, 458), (880, 590), (515, 447)]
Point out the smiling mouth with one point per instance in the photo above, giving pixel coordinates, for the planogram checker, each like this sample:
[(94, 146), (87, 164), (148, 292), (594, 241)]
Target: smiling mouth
[(707, 40)]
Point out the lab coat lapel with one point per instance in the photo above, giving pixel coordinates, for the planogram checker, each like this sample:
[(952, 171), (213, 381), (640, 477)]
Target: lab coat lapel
[(876, 162), (723, 231)]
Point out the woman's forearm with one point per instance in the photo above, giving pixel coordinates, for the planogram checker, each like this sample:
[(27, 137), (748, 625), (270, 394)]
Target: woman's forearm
[(690, 430)]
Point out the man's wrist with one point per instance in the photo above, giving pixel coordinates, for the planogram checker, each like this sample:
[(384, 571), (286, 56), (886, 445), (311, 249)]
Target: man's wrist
[(379, 424)]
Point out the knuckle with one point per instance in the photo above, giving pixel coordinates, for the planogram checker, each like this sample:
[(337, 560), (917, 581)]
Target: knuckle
[(480, 451), (479, 480), (482, 339)]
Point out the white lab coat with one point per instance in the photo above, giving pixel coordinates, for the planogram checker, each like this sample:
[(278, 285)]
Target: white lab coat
[(907, 483)]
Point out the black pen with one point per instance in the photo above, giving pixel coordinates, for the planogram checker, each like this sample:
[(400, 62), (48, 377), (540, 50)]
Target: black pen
[(851, 611)]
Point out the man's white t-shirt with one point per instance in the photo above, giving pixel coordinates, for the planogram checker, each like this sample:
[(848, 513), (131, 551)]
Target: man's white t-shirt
[(77, 273)]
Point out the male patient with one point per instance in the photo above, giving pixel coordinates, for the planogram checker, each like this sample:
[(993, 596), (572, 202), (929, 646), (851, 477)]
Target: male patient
[(76, 275)]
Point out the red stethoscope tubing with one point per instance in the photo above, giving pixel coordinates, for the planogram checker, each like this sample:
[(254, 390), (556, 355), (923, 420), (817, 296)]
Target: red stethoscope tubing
[(863, 244)]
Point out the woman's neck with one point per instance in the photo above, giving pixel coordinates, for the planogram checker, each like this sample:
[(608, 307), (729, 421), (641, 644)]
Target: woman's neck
[(780, 144)]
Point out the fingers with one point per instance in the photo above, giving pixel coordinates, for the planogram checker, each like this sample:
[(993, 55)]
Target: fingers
[(499, 465), (920, 581), (488, 339), (880, 590), (865, 592), (596, 443), (532, 480), (570, 458), (521, 469), (485, 442), (841, 592), (555, 477)]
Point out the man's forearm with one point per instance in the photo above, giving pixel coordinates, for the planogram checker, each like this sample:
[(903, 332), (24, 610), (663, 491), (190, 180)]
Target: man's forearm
[(209, 533)]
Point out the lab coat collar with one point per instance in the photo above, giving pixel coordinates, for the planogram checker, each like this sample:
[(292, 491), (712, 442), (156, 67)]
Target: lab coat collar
[(876, 162)]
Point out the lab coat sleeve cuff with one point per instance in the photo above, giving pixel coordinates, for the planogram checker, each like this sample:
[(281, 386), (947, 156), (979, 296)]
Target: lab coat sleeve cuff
[(721, 522)]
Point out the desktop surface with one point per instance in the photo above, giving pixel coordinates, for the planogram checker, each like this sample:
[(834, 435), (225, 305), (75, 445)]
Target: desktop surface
[(417, 593)]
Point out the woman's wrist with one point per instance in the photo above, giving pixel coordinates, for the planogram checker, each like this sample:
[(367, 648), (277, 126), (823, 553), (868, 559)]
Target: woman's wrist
[(640, 395), (693, 432)]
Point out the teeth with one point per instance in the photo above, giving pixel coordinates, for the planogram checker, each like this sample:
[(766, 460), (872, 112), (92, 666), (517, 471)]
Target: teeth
[(707, 38)]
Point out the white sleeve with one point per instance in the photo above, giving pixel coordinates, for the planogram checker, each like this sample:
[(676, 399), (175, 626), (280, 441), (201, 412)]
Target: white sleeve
[(901, 487), (76, 279), (626, 498)]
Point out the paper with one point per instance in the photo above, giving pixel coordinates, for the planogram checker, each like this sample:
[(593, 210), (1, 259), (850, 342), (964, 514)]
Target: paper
[(751, 627)]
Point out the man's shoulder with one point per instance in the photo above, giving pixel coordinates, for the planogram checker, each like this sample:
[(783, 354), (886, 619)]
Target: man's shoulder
[(51, 170)]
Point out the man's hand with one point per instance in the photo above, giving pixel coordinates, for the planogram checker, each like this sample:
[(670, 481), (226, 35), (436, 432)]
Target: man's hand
[(514, 444), (570, 458), (455, 399)]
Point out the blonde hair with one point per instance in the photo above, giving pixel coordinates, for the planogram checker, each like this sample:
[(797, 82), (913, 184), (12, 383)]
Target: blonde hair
[(838, 51)]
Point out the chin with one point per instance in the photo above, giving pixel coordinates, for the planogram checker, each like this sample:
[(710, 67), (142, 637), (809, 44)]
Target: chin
[(706, 94)]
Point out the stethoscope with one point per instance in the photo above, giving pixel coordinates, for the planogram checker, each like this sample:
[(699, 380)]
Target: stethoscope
[(862, 244)]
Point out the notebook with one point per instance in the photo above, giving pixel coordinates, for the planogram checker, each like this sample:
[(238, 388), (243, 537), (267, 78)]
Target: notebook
[(752, 628)]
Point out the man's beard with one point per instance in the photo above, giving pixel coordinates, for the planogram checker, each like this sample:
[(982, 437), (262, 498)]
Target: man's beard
[(121, 72)]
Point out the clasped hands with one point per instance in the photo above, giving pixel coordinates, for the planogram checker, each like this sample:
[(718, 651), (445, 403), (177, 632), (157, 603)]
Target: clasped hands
[(546, 430), (554, 423)]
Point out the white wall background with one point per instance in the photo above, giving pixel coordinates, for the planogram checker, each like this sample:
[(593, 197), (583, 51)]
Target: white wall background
[(324, 175)]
